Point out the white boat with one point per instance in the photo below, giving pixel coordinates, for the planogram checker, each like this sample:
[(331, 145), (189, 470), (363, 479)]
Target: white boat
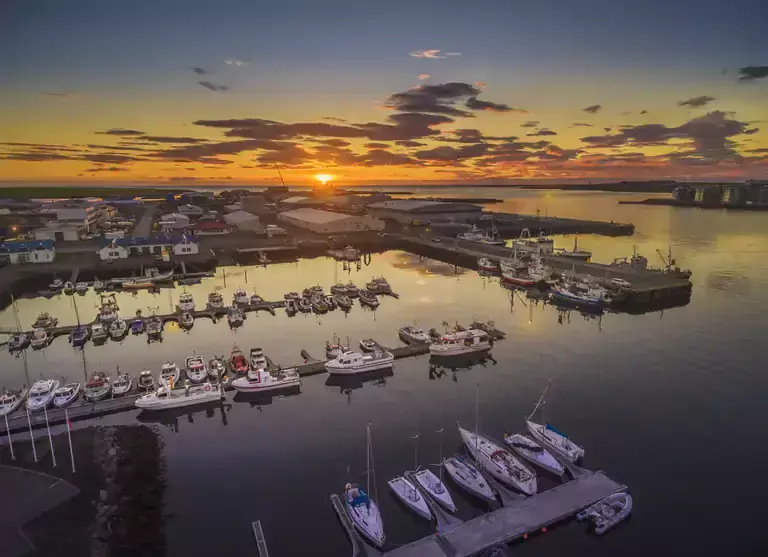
[(122, 384), (467, 476), (99, 332), (81, 287), (436, 488), (538, 271), (534, 453), (118, 329), (555, 441), (379, 285), (107, 314), (260, 380), (256, 300), (513, 264), (186, 302), (499, 462), (154, 327), (258, 361), (216, 368), (215, 300), (474, 234), (240, 297), (40, 339), (98, 387), (368, 345), (352, 290), (165, 398), (11, 400), (413, 335), (18, 341), (196, 369), (581, 293), (334, 348), (411, 496), (461, 343), (41, 394), (540, 245), (169, 373), (69, 288), (98, 286), (146, 380), (355, 362), (66, 395), (339, 289), (57, 284), (487, 265), (235, 316), (607, 513), (186, 320), (44, 320), (362, 510), (305, 306)]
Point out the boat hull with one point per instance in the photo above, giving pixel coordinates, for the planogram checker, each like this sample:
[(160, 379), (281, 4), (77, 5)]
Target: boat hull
[(578, 300), (572, 456), (469, 478), (410, 496), (151, 403), (242, 385), (480, 447), (544, 460), (436, 489), (360, 518), (436, 352)]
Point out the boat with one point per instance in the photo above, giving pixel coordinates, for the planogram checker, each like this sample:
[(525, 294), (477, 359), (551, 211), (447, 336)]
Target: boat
[(186, 302), (257, 359), (343, 301), (292, 296), (330, 301), (305, 306), (44, 321), (513, 263), (157, 276), (169, 373), (318, 304), (517, 277), (118, 329), (40, 339), (99, 286), (412, 334), (436, 489), (339, 289), (240, 297), (146, 380), (216, 368), (467, 476), (141, 283), (69, 288), (66, 395), (474, 234), (19, 341), (260, 380), (575, 253), (334, 348), (379, 285), (487, 265), (368, 298), (235, 316), (362, 510), (56, 285), (256, 300), (368, 345), (122, 384), (215, 300), (499, 462), (636, 261), (411, 496), (352, 290), (538, 271), (165, 398), (136, 326), (41, 394), (99, 332), (237, 361), (581, 292), (461, 343), (186, 320), (107, 314), (98, 387), (540, 244), (555, 441), (80, 335), (534, 453), (291, 306), (154, 327), (11, 400), (354, 362), (196, 369), (81, 287), (608, 512)]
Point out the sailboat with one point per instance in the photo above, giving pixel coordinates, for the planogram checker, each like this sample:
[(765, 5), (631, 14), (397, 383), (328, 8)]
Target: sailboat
[(79, 336), (20, 340), (408, 493), (468, 476), (362, 510), (434, 485), (552, 439)]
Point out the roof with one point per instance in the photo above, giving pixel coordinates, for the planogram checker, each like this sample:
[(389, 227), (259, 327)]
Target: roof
[(239, 216), (423, 206), (174, 216), (294, 199), (162, 240), (17, 247), (315, 215), (211, 225)]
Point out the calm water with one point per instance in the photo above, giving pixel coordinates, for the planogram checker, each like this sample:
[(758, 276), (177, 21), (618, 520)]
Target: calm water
[(661, 401)]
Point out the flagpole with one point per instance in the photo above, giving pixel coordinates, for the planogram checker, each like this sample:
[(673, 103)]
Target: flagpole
[(69, 438), (50, 439), (31, 437), (10, 441)]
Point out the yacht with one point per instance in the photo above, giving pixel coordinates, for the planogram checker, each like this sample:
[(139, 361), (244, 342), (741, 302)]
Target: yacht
[(215, 300), (467, 476), (318, 304), (66, 395), (166, 398), (411, 334), (461, 343), (169, 373), (352, 290), (41, 394), (196, 369), (118, 329), (342, 301), (240, 297), (379, 285), (260, 380), (339, 289), (99, 332), (541, 244), (362, 510), (98, 387), (40, 339), (368, 298), (258, 359), (555, 441), (410, 496), (186, 302), (534, 453), (122, 384), (81, 287), (107, 314), (11, 400), (44, 321), (354, 362)]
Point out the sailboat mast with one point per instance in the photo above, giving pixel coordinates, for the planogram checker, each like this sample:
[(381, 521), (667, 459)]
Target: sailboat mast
[(541, 400), (440, 471), (416, 453), (477, 410), (368, 457)]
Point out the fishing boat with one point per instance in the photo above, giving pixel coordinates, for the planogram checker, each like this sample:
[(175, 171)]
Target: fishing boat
[(351, 363), (343, 301), (81, 287), (499, 462), (257, 359), (196, 369), (368, 298), (215, 300), (146, 380), (334, 348), (169, 373), (107, 314), (79, 335), (368, 345), (513, 263), (318, 304), (238, 362), (41, 394), (534, 453), (66, 395), (136, 326), (411, 334), (44, 321), (154, 327), (140, 283), (235, 316), (40, 339), (411, 496), (19, 341), (56, 285), (260, 380), (339, 289), (186, 302), (11, 400), (540, 244), (352, 290), (467, 476), (487, 265), (240, 297), (122, 384), (608, 512), (157, 276), (256, 300), (98, 387), (330, 302), (69, 288), (98, 286), (538, 271), (166, 398), (305, 306), (517, 277), (581, 293), (461, 343), (291, 306), (380, 285), (186, 320), (362, 510), (118, 329), (99, 332), (216, 368), (575, 253)]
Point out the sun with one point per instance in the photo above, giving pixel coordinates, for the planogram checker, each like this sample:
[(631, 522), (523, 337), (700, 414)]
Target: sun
[(323, 178)]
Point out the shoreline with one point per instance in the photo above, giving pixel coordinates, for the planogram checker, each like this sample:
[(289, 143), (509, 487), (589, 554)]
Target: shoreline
[(665, 202)]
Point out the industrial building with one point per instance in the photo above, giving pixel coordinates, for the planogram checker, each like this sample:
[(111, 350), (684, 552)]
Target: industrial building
[(33, 251), (81, 212), (59, 231), (211, 228), (414, 211), (326, 222), (243, 220), (174, 221), (301, 201)]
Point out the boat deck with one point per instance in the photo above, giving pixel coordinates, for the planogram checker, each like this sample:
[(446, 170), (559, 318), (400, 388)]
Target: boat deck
[(359, 549)]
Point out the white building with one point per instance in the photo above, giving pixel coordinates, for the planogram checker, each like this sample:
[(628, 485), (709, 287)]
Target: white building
[(174, 221), (120, 248), (58, 231), (33, 251), (423, 211), (330, 223), (243, 221), (191, 210), (86, 213), (186, 246)]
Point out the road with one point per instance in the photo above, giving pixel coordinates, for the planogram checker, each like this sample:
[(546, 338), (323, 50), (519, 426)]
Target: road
[(144, 224)]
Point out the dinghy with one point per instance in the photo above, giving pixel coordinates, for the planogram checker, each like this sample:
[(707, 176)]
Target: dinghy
[(146, 380), (66, 395), (98, 387), (169, 373), (41, 394), (122, 385), (411, 496), (165, 398), (467, 476), (436, 488), (499, 462), (196, 369), (11, 400), (534, 453), (608, 513), (260, 380)]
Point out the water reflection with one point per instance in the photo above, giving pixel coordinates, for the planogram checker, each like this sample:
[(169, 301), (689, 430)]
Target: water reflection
[(171, 418), (347, 383), (257, 400), (442, 367)]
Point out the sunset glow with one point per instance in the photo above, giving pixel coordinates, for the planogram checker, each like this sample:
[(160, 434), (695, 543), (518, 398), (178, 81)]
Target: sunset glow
[(323, 178)]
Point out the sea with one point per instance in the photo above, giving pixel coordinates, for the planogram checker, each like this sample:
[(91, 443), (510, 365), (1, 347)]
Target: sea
[(672, 403)]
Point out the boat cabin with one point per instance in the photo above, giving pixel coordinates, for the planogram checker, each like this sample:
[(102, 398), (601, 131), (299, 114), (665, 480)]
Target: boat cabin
[(465, 338)]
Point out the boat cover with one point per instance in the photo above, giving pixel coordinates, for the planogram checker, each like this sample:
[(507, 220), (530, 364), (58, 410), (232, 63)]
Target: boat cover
[(550, 428)]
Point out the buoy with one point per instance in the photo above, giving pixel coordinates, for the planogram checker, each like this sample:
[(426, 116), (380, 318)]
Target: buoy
[(544, 529)]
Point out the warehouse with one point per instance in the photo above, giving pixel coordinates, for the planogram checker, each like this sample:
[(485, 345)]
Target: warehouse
[(243, 220), (415, 211), (326, 222)]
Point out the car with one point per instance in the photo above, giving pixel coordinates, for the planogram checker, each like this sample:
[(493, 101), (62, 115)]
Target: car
[(436, 240), (620, 282)]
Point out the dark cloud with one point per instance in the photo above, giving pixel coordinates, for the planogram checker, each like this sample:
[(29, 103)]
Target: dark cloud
[(213, 86), (106, 169), (334, 142), (333, 119), (409, 143), (202, 152), (114, 147), (378, 157), (750, 73), (446, 153), (170, 139), (109, 158), (474, 104), (442, 99), (198, 70), (38, 157), (376, 146), (120, 131), (581, 125), (592, 109), (530, 124), (541, 132), (643, 112), (696, 102)]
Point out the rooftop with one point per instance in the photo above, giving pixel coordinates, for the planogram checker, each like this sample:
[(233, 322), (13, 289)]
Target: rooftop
[(423, 206), (239, 216), (16, 247), (211, 225), (315, 215), (162, 240)]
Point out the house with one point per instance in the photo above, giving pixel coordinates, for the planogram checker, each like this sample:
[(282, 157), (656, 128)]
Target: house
[(58, 231), (190, 210), (174, 221), (120, 248), (211, 228), (243, 220), (32, 251), (186, 246)]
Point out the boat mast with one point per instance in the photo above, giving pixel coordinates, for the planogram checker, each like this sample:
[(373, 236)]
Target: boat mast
[(541, 399), (16, 314), (477, 410), (440, 472), (77, 314), (368, 457)]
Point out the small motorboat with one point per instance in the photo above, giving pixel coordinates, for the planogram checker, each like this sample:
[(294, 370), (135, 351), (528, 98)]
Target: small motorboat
[(235, 316), (351, 363), (368, 298), (215, 300), (154, 327), (338, 289), (487, 265), (365, 514), (368, 345), (334, 348), (342, 301), (259, 380), (44, 321), (305, 306), (137, 326), (607, 513), (330, 301), (41, 394), (555, 441), (66, 395), (81, 287), (107, 314), (186, 302), (98, 387), (99, 286), (352, 290), (165, 398), (291, 306), (99, 332), (56, 285), (315, 290), (122, 384), (80, 335), (256, 300), (461, 343), (118, 329), (186, 320), (411, 496), (40, 339), (18, 341), (238, 362), (196, 369), (436, 489), (240, 297), (216, 368), (467, 476), (292, 296), (258, 360), (138, 284), (69, 288), (534, 453), (11, 400), (169, 373), (146, 380), (318, 304), (411, 334)]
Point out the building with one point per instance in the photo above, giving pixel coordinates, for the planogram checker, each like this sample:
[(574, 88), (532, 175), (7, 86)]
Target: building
[(707, 195), (32, 251), (190, 210), (301, 201), (174, 221), (243, 220), (424, 212), (120, 248), (329, 223), (82, 212), (762, 194), (684, 193), (186, 246), (58, 231), (211, 228), (733, 195), (255, 204)]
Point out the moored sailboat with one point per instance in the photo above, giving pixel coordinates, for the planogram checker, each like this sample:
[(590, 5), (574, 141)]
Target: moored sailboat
[(534, 453), (362, 510)]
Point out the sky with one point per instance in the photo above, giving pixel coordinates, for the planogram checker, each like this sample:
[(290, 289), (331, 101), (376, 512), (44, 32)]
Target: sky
[(452, 92)]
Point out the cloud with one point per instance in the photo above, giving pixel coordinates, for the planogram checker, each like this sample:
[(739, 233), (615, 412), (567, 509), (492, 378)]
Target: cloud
[(235, 62), (198, 70), (171, 139), (643, 112), (474, 104), (442, 99), (106, 169), (446, 153), (530, 124), (202, 152), (409, 143), (592, 109), (58, 94), (376, 146), (540, 133), (334, 142), (481, 84), (696, 102), (432, 54), (453, 53), (213, 86), (580, 125), (751, 73), (423, 76), (120, 131), (333, 119)]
